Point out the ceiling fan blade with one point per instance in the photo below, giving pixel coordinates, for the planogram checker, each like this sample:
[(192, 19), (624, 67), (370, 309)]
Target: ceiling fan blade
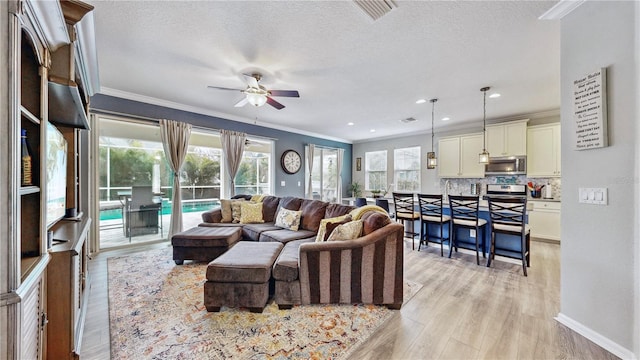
[(251, 81), (286, 93), (274, 103), (242, 102), (223, 88)]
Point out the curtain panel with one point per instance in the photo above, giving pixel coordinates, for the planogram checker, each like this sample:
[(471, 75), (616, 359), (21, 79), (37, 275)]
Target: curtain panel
[(232, 150), (310, 151), (339, 161), (175, 141)]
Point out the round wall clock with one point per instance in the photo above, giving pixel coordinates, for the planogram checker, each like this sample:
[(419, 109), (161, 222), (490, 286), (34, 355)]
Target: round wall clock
[(291, 161)]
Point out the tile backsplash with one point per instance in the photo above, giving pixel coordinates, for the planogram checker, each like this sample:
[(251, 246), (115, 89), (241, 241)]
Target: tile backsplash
[(464, 185)]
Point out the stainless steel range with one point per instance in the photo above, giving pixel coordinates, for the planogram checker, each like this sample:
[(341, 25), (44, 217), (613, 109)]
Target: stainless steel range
[(505, 190)]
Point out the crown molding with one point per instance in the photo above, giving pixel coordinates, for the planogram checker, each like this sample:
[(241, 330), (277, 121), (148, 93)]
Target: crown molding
[(202, 111), (561, 9)]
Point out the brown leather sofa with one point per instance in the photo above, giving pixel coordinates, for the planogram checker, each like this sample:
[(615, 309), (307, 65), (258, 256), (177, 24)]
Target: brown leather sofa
[(366, 270)]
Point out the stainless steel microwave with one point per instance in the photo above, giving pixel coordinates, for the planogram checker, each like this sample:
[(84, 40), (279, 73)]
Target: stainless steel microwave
[(506, 165)]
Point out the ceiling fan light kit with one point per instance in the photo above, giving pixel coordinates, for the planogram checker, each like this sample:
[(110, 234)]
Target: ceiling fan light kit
[(483, 157), (258, 95)]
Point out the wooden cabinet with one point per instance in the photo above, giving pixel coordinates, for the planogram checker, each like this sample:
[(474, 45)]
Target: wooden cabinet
[(507, 139), (31, 31), (543, 151), (459, 156), (544, 220), (67, 284)]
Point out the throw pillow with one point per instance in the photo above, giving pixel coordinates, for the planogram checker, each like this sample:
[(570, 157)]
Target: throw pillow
[(257, 198), (322, 230), (288, 219), (348, 231), (225, 207), (250, 213), (236, 210)]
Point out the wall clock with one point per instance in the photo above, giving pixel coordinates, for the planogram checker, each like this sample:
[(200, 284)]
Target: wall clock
[(291, 161)]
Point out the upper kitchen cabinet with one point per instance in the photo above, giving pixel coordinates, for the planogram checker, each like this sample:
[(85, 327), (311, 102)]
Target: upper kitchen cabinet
[(459, 156), (507, 139), (543, 151)]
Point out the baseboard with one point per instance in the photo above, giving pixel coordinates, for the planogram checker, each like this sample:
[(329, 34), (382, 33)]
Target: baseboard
[(606, 343)]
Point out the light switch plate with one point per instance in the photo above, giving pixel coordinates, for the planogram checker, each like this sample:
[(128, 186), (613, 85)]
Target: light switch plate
[(596, 196), (282, 183)]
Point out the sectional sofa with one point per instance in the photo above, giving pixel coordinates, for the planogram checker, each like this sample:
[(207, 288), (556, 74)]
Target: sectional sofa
[(367, 269)]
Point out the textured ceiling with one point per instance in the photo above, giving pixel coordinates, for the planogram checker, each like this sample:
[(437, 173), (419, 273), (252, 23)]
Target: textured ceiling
[(347, 67)]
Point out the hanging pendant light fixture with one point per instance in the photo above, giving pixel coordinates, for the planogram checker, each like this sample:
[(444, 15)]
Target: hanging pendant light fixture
[(432, 161), (483, 157)]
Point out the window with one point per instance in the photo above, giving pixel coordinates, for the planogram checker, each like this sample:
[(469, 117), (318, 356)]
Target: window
[(253, 176), (375, 165), (407, 169), (324, 177)]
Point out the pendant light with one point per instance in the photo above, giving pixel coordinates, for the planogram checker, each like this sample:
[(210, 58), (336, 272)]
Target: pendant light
[(483, 157), (432, 161)]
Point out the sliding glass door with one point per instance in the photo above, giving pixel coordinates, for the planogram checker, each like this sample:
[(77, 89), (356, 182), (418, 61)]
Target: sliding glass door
[(132, 160), (324, 175)]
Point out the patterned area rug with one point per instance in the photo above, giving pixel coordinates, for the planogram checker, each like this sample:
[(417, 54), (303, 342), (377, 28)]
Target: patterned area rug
[(156, 311)]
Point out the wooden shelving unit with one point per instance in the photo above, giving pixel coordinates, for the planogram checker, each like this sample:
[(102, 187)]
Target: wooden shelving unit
[(42, 286)]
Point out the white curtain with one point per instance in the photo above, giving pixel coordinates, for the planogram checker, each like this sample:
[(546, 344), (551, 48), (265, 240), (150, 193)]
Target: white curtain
[(232, 149), (175, 141), (339, 165), (310, 150)]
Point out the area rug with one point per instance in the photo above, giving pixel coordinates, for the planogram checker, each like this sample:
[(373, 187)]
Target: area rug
[(156, 311)]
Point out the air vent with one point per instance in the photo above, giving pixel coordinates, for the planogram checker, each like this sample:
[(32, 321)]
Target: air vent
[(408, 120), (375, 8)]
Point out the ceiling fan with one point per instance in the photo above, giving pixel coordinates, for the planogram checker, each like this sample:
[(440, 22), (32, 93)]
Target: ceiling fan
[(258, 95)]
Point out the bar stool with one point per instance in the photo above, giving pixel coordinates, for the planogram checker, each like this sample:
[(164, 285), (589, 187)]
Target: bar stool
[(405, 212), (383, 203), (464, 214), (431, 213), (508, 217)]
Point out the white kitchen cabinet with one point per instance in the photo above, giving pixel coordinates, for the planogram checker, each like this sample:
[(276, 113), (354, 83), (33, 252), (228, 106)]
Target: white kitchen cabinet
[(507, 139), (543, 151), (544, 219), (458, 156)]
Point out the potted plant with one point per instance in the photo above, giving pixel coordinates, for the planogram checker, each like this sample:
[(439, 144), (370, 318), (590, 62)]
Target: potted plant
[(356, 189), (376, 193)]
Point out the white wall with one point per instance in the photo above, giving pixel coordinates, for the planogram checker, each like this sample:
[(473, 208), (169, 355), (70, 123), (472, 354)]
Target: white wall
[(597, 258)]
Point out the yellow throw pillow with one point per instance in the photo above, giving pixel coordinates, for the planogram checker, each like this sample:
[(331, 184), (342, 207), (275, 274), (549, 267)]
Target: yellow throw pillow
[(225, 207), (322, 230), (257, 198), (348, 231), (288, 219), (250, 213), (236, 210)]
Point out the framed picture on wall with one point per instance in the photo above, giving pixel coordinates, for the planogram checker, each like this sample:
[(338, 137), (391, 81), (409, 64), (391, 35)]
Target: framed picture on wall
[(358, 164)]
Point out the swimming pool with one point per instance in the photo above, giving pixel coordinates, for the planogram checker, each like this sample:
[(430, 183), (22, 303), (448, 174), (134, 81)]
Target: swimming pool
[(192, 206)]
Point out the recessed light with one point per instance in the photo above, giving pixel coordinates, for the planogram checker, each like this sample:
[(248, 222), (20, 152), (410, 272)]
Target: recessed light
[(421, 101), (372, 130), (494, 95), (445, 119), (350, 124)]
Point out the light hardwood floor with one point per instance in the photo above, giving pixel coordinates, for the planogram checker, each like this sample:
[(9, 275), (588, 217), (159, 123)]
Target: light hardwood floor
[(463, 311)]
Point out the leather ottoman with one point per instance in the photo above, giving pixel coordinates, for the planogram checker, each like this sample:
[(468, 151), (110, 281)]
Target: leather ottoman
[(203, 243), (241, 277)]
